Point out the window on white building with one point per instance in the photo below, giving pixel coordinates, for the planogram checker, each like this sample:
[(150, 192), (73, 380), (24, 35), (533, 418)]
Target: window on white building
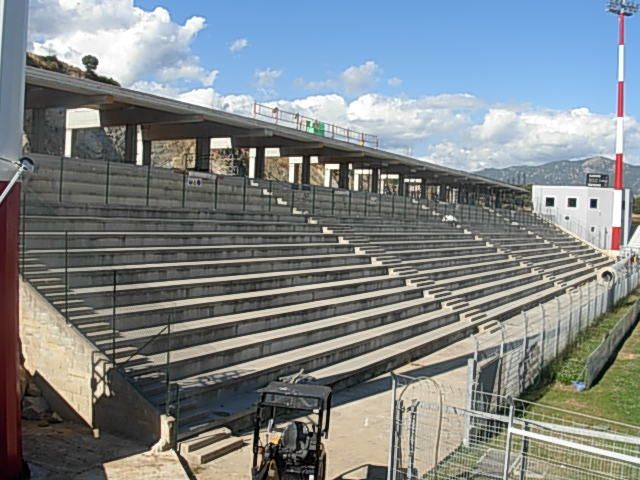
[(593, 203), (572, 202), (550, 201)]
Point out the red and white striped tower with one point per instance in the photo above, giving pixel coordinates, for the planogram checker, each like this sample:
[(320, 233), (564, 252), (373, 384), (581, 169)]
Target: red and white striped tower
[(622, 8)]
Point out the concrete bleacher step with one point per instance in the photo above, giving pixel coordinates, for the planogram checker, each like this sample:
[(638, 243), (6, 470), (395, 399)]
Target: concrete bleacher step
[(220, 327), (455, 261), (209, 446), (485, 278), (71, 223), (103, 275), (236, 410), (193, 360), (82, 257), (471, 268), (504, 311), (509, 296), (257, 294), (432, 253), (152, 212), (39, 240), (162, 312), (193, 287), (214, 384)]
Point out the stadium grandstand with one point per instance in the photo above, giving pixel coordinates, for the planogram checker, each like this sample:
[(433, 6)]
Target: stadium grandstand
[(197, 288)]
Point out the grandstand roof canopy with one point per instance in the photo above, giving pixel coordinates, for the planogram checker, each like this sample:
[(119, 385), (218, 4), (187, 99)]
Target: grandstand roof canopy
[(167, 119)]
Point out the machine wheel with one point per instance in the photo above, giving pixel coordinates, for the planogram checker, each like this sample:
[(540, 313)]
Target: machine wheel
[(322, 467)]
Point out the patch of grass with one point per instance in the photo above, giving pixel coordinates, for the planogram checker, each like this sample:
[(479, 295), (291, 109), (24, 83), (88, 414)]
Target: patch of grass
[(616, 396), (570, 366)]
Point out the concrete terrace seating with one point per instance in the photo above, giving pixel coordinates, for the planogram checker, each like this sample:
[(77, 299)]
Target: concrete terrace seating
[(252, 287)]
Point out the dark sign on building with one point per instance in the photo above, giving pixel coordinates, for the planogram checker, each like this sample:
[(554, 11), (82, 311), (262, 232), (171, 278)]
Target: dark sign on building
[(597, 180)]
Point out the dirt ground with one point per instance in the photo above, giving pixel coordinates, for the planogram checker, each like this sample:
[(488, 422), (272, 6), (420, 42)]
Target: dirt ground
[(68, 451)]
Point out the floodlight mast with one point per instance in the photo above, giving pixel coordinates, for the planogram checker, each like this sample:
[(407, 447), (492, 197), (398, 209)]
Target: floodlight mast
[(621, 8)]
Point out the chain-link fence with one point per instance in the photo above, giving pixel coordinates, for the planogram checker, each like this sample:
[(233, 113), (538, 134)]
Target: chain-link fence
[(511, 356), (479, 430), (603, 354)]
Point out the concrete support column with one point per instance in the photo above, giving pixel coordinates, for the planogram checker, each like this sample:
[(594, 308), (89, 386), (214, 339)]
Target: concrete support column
[(146, 152), (306, 170), (203, 154), (343, 179), (130, 144), (375, 180), (38, 123), (401, 184), (259, 162)]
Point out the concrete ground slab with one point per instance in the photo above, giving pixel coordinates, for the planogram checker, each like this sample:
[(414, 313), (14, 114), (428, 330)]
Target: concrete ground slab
[(359, 430)]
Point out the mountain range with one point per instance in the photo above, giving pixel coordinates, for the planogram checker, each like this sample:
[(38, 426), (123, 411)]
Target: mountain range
[(564, 172)]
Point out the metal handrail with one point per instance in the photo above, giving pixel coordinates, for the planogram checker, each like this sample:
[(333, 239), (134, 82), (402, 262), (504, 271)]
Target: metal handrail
[(314, 126)]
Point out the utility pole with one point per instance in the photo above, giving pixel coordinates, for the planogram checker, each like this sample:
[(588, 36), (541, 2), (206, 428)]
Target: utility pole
[(13, 42), (621, 8)]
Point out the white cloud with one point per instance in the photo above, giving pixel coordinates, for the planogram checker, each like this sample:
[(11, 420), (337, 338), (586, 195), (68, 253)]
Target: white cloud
[(354, 80), (360, 78), (267, 78), (149, 51), (238, 45), (132, 44), (510, 136)]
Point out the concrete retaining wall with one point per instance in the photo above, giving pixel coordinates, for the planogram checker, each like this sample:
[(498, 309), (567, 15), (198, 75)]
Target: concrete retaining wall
[(79, 379)]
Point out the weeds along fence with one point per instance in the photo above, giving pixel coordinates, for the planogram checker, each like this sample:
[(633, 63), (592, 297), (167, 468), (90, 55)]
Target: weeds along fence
[(481, 430), (444, 432)]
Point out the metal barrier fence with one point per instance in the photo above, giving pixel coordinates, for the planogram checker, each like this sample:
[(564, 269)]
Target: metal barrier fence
[(602, 355), (444, 432), (112, 183), (478, 431), (511, 356)]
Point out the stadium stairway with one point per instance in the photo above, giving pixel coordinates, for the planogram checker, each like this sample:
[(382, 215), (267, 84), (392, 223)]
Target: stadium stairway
[(216, 302)]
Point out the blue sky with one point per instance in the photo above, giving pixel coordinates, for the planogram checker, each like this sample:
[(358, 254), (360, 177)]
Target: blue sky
[(473, 85), (548, 53)]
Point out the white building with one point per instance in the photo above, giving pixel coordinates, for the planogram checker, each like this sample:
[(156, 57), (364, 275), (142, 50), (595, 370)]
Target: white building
[(585, 211)]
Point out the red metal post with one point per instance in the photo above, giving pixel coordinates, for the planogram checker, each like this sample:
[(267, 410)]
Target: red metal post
[(13, 39), (10, 435)]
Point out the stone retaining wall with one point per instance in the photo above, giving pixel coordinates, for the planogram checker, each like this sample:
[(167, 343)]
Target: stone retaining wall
[(80, 377)]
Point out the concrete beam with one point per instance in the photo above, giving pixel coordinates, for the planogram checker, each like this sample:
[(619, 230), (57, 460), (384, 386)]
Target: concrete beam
[(37, 97), (183, 131), (133, 115)]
